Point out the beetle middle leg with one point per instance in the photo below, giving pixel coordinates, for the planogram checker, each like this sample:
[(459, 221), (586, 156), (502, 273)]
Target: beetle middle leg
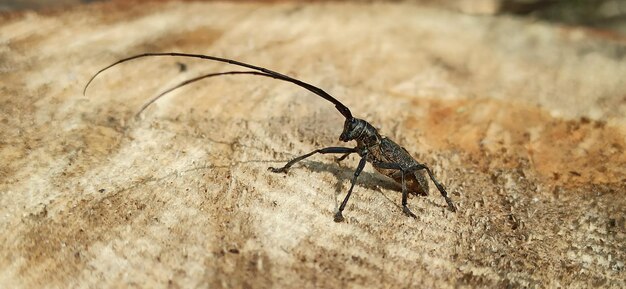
[(405, 192), (414, 168)]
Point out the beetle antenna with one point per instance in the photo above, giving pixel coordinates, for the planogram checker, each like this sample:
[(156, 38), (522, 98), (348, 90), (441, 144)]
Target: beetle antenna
[(188, 81), (338, 105)]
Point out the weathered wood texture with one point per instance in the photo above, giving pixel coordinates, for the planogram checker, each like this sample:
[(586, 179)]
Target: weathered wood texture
[(523, 122)]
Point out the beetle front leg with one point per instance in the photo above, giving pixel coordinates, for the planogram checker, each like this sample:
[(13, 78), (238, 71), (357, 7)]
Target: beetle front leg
[(357, 172), (405, 192), (328, 150)]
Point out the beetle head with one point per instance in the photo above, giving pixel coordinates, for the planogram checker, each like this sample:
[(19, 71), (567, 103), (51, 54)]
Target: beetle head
[(352, 129)]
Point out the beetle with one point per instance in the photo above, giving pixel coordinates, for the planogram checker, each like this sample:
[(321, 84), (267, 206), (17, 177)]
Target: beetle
[(386, 156)]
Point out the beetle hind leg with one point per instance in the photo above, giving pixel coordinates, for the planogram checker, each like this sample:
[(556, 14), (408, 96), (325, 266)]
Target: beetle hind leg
[(440, 188), (405, 195)]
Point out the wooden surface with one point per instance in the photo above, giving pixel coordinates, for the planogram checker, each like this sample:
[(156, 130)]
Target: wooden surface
[(523, 122)]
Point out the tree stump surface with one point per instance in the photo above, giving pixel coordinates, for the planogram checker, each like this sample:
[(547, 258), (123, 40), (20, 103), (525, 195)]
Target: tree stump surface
[(523, 122)]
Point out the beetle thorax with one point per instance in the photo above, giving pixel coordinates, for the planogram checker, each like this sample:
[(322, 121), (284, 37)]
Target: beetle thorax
[(361, 131), (369, 137)]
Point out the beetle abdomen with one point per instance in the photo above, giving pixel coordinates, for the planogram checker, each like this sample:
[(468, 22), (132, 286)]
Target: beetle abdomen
[(390, 152), (416, 182)]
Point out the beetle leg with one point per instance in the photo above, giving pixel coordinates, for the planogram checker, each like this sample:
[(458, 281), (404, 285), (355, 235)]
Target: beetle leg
[(405, 193), (343, 157), (443, 192), (328, 150), (357, 172)]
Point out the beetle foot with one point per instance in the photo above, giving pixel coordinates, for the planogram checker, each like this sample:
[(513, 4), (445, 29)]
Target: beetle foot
[(338, 217), (450, 205), (277, 170), (408, 212)]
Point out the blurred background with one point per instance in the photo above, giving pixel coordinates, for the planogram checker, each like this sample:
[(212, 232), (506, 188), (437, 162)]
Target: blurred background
[(609, 15)]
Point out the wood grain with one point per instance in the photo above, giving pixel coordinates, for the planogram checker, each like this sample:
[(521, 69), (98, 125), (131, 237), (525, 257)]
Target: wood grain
[(523, 122)]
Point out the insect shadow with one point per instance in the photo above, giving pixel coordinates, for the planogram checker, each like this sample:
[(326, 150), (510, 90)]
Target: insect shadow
[(370, 181)]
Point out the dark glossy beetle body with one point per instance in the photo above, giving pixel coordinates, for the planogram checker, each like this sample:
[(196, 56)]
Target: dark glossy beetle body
[(389, 159), (383, 150), (387, 151)]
